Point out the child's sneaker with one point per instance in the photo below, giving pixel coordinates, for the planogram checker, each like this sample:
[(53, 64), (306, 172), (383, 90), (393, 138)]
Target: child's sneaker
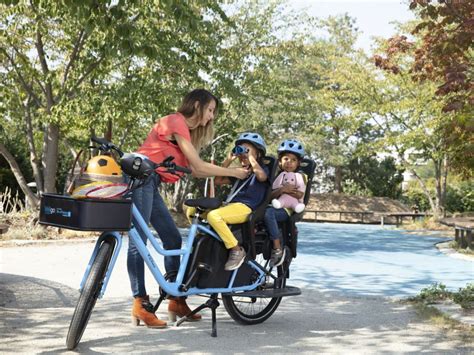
[(236, 258), (277, 257)]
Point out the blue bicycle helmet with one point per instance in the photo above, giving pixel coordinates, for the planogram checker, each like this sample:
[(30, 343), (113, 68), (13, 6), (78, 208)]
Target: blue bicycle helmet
[(253, 138), (291, 146)]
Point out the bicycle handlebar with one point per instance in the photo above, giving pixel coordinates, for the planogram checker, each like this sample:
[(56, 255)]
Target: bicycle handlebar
[(106, 146), (172, 167)]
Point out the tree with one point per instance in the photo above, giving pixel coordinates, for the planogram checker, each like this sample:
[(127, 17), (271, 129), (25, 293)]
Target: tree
[(374, 177), (62, 60), (306, 92), (442, 53), (412, 120)]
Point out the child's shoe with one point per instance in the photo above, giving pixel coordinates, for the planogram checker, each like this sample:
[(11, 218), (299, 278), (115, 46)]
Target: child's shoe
[(277, 257), (236, 258)]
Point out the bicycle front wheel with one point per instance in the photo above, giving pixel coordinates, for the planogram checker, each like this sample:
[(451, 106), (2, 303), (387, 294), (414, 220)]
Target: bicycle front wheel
[(90, 293), (255, 310)]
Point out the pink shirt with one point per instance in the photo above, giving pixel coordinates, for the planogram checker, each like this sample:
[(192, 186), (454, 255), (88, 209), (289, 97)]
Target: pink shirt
[(157, 147)]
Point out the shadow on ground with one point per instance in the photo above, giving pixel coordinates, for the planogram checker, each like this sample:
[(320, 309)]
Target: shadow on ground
[(36, 313)]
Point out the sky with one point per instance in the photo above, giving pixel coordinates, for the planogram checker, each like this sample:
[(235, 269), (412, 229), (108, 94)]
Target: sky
[(373, 17)]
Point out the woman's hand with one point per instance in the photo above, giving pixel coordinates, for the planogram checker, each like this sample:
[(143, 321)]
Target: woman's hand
[(241, 173)]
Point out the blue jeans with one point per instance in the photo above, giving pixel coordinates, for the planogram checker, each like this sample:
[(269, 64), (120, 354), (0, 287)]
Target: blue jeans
[(272, 217), (153, 210)]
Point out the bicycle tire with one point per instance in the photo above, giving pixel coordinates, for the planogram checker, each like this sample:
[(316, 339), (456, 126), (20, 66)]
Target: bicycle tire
[(90, 293), (249, 311)]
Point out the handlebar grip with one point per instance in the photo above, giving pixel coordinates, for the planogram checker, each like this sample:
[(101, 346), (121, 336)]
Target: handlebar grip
[(101, 141), (183, 169)]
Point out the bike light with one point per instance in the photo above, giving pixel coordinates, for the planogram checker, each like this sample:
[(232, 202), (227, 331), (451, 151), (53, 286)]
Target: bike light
[(137, 162)]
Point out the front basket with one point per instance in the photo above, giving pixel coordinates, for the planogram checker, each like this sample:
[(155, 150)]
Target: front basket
[(85, 214)]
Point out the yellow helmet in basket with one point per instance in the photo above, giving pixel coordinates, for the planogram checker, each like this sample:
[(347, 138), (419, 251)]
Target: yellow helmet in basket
[(103, 165)]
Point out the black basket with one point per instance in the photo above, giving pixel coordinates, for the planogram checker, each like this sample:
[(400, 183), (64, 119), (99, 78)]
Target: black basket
[(85, 214)]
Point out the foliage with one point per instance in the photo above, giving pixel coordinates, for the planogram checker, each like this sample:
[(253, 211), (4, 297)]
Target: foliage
[(465, 296), (459, 196), (438, 292), (445, 50), (377, 178), (98, 65), (442, 53), (416, 197), (434, 293)]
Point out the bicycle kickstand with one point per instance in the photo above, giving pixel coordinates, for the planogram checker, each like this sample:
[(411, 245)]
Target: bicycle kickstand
[(158, 303), (211, 303)]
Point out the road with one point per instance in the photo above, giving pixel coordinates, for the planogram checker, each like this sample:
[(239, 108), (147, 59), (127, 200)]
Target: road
[(38, 291)]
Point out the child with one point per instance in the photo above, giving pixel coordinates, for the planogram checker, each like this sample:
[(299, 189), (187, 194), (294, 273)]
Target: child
[(245, 196), (290, 153)]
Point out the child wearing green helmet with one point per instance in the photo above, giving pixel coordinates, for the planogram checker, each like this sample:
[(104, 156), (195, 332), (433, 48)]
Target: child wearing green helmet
[(290, 154)]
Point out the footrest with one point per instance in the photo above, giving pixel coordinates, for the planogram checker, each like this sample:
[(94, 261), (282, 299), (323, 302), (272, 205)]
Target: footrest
[(268, 293)]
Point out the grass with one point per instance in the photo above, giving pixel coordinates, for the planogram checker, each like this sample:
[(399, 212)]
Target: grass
[(443, 321), (454, 245), (428, 224), (439, 294), (24, 226)]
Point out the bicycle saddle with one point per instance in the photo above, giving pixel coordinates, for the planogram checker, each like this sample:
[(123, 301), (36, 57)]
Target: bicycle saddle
[(204, 203)]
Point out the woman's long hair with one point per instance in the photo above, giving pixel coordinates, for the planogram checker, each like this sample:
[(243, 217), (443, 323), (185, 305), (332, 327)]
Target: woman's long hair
[(201, 136)]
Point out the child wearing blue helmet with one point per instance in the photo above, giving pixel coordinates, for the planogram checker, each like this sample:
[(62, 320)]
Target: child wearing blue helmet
[(245, 196), (290, 154)]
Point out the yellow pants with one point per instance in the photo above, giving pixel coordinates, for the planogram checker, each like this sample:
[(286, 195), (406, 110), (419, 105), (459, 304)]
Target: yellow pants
[(233, 213)]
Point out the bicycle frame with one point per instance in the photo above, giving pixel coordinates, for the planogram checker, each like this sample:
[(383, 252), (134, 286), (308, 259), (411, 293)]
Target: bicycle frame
[(140, 228)]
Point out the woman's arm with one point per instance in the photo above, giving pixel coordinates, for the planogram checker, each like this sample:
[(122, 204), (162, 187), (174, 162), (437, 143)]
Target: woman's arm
[(201, 168), (224, 180)]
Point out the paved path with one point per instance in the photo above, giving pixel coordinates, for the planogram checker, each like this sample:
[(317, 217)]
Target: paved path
[(38, 291), (374, 260)]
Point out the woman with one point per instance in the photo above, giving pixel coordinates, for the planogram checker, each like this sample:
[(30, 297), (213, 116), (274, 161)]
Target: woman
[(182, 135)]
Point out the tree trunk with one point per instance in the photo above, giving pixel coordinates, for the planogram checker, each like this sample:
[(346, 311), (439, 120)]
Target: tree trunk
[(444, 185), (338, 179), (108, 132), (434, 208), (34, 161), (337, 168), (50, 157), (439, 204), (31, 198)]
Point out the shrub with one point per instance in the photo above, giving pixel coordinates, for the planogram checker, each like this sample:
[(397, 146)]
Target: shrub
[(465, 296), (434, 293)]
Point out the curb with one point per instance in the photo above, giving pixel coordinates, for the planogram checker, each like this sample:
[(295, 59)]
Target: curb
[(444, 248), (28, 243), (456, 312)]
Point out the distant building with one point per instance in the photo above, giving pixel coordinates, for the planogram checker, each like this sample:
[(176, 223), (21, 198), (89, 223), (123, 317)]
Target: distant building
[(407, 177)]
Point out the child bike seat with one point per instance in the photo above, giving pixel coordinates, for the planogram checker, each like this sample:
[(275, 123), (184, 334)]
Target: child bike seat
[(204, 203)]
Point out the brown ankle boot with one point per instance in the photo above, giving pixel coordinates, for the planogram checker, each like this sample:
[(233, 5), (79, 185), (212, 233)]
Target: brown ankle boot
[(143, 311), (177, 307)]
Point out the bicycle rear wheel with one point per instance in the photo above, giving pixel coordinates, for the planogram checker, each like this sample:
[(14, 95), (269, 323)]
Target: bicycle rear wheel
[(255, 310), (90, 293)]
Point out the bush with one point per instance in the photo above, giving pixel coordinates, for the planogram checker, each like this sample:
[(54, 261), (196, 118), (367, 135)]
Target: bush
[(415, 197), (434, 293), (459, 197), (438, 292), (465, 296)]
